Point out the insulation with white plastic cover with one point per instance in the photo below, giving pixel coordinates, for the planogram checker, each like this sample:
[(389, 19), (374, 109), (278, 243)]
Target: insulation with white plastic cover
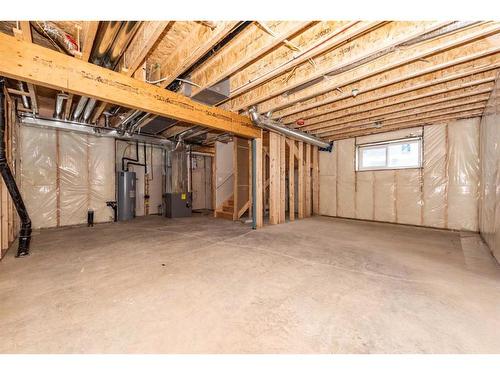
[(489, 213), (442, 194), (64, 174)]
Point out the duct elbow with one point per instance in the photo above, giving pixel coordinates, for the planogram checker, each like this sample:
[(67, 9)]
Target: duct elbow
[(254, 116)]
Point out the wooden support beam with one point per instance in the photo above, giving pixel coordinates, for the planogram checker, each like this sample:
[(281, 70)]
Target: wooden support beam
[(274, 178), (252, 43), (480, 40), (291, 178), (198, 43), (458, 63), (308, 198), (282, 197), (315, 180), (259, 204), (301, 181), (42, 66), (366, 46)]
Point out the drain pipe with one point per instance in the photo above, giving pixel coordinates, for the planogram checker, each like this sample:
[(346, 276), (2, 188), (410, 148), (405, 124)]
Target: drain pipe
[(10, 182), (274, 126)]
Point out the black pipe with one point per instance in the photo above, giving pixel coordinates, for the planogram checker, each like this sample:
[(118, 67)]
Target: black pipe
[(10, 182), (135, 161)]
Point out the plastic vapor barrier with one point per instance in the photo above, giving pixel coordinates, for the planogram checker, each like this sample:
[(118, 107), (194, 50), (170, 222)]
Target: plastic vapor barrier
[(64, 174), (489, 220), (442, 194)]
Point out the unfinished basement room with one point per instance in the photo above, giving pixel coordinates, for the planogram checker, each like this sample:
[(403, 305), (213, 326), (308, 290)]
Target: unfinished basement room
[(250, 186)]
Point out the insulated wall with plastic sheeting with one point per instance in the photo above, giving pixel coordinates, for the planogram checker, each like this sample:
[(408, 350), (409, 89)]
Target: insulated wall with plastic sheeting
[(64, 174), (489, 213), (443, 193)]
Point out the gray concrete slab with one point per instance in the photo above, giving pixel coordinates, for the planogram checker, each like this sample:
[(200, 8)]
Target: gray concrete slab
[(203, 285)]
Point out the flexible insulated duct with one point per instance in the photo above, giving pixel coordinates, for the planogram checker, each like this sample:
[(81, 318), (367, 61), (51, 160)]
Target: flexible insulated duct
[(56, 35), (274, 126), (10, 182)]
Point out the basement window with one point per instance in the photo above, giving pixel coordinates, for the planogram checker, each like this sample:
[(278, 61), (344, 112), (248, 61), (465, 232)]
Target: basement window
[(397, 154)]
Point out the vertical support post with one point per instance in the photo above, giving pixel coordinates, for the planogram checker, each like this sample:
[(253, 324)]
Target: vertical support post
[(282, 197), (250, 180), (257, 175), (235, 178), (315, 180), (301, 178), (274, 178), (291, 178), (308, 180)]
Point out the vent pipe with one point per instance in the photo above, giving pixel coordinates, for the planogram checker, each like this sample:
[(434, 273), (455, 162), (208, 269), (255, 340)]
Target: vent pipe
[(26, 103), (10, 182), (59, 105), (274, 126)]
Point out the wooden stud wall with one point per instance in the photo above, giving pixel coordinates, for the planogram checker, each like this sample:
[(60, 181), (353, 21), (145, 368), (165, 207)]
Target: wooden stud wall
[(289, 158)]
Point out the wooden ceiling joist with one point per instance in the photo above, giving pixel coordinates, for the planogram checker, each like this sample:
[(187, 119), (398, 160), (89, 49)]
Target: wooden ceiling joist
[(371, 44), (247, 47), (199, 42), (312, 43), (399, 92), (418, 74), (418, 122), (41, 66), (429, 108), (411, 91), (397, 66), (424, 118), (418, 101), (89, 31)]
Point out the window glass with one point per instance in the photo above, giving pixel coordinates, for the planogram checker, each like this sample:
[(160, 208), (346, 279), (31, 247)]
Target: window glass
[(374, 157), (405, 153)]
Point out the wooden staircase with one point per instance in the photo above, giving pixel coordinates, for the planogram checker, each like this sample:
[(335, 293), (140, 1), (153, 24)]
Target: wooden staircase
[(227, 209)]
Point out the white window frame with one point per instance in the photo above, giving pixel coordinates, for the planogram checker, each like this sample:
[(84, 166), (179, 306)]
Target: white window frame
[(360, 147)]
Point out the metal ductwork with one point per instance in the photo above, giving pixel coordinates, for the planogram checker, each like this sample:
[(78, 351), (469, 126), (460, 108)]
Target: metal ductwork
[(59, 105), (88, 110), (10, 183), (97, 131), (125, 35), (56, 35), (104, 39), (111, 40), (274, 126), (79, 107), (26, 103)]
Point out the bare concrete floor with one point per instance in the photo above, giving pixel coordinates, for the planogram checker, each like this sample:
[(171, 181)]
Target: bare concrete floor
[(318, 285)]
